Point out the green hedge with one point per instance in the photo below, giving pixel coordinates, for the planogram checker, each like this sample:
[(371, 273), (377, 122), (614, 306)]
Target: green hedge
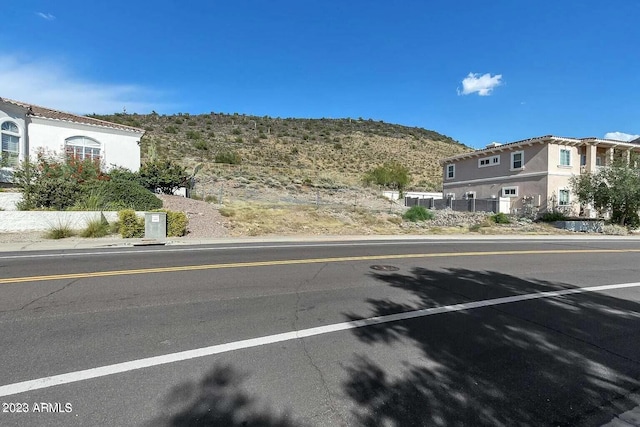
[(130, 224), (121, 194), (176, 223)]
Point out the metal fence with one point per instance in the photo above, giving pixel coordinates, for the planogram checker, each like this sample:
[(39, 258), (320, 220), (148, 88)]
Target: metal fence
[(468, 205)]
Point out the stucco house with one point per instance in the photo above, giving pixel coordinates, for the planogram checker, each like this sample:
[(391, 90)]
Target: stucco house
[(533, 173), (27, 128)]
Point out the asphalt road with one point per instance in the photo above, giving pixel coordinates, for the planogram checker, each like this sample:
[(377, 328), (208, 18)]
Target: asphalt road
[(355, 333)]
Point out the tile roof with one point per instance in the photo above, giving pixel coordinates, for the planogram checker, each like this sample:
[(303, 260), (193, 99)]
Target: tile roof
[(48, 113)]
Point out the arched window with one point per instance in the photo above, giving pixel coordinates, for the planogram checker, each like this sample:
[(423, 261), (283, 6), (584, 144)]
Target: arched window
[(10, 144), (82, 148)]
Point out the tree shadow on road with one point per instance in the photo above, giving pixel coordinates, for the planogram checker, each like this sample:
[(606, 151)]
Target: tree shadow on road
[(217, 400), (569, 360)]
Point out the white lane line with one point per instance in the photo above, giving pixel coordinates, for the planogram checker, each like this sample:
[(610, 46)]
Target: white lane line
[(133, 251), (103, 371), (219, 248)]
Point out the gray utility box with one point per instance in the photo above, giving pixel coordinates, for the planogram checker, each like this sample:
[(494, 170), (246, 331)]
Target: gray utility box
[(155, 225)]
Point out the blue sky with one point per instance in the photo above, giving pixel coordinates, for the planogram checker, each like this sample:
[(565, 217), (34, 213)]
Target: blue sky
[(478, 71)]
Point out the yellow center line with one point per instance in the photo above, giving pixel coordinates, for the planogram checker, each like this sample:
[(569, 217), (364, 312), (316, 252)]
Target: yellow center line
[(305, 261)]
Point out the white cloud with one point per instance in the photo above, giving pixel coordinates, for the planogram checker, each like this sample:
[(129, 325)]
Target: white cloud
[(46, 16), (50, 84), (621, 136), (482, 84)]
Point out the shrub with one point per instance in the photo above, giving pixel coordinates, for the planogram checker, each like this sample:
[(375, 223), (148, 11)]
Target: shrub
[(228, 157), (123, 174), (227, 212), (553, 216), (201, 145), (115, 195), (418, 213), (193, 134), (500, 218), (130, 224), (171, 129), (96, 228), (211, 199), (60, 231), (615, 230), (51, 193), (91, 200), (52, 183), (176, 224)]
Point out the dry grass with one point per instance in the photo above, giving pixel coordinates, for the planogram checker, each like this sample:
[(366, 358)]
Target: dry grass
[(264, 219), (261, 219)]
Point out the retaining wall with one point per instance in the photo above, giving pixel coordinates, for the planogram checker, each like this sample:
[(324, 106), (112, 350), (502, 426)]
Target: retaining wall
[(18, 221), (8, 201)]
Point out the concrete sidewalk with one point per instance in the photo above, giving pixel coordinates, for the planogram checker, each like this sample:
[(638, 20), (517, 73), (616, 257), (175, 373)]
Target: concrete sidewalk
[(114, 242)]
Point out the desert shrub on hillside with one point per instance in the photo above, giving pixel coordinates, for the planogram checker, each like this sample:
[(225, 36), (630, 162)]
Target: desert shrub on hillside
[(193, 134), (201, 145), (228, 157), (418, 213)]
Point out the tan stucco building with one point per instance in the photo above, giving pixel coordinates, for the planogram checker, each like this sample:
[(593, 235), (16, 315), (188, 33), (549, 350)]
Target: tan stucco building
[(534, 173)]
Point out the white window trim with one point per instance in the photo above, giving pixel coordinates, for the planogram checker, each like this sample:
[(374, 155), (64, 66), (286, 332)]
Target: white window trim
[(14, 134), (521, 161), (509, 188), (453, 170), (451, 196), (560, 158), (470, 193), (85, 142), (568, 198), (492, 161)]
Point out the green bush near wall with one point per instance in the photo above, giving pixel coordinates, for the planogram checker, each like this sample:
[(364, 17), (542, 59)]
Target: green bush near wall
[(130, 225), (176, 224), (124, 194)]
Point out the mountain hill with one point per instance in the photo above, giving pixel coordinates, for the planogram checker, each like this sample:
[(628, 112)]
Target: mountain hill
[(322, 152)]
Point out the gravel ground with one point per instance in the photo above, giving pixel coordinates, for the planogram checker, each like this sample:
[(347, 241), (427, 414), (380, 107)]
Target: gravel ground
[(204, 219)]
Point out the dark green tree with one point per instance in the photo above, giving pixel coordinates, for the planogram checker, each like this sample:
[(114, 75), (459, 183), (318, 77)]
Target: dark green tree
[(164, 175), (615, 188)]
